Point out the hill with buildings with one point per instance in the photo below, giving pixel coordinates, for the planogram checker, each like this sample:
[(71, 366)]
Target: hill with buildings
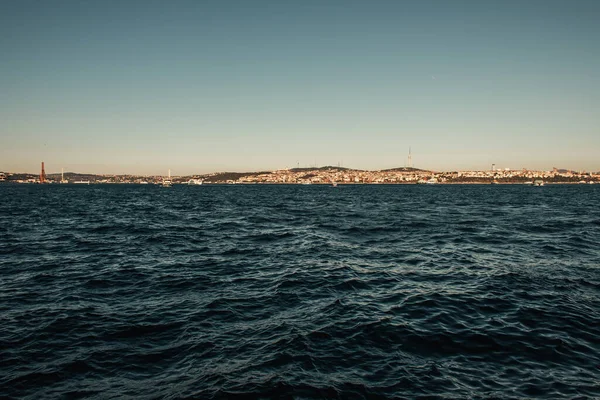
[(328, 175)]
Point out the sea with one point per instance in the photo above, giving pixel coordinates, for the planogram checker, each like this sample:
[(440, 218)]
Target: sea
[(299, 292)]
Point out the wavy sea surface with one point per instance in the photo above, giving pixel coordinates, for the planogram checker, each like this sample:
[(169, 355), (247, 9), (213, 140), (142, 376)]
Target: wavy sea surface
[(235, 291)]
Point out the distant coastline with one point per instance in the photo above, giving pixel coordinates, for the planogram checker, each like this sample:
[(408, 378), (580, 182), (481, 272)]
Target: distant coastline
[(326, 176)]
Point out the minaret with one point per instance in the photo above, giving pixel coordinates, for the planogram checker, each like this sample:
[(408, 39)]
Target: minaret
[(42, 174)]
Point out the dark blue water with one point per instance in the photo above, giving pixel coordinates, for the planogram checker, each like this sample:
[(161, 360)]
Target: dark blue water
[(299, 291)]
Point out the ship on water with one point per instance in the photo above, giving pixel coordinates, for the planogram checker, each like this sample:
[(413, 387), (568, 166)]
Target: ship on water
[(167, 182), (62, 176)]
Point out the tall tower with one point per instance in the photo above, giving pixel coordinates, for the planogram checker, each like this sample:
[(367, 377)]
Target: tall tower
[(42, 174), (409, 164)]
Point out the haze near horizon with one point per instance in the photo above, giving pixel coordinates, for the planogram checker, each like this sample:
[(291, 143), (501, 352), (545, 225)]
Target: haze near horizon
[(140, 87)]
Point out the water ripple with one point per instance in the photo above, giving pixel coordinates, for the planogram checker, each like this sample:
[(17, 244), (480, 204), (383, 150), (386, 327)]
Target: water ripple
[(299, 292)]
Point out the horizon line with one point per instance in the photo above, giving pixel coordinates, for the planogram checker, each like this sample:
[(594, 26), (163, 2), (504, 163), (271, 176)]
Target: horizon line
[(405, 168)]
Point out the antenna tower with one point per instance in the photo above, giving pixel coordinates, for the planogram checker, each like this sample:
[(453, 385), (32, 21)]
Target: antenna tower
[(409, 158)]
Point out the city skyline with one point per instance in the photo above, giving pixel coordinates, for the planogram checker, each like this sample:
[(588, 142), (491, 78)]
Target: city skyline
[(199, 87), (328, 175), (408, 165)]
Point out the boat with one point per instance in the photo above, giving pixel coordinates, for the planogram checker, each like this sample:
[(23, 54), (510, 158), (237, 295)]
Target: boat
[(538, 182), (334, 183), (194, 182), (62, 176), (82, 182), (167, 182)]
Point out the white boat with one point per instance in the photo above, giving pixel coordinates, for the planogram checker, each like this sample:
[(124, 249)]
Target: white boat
[(62, 176), (538, 182), (82, 182), (167, 183), (194, 182)]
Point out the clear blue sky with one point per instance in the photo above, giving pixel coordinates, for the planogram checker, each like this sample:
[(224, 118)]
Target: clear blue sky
[(201, 86)]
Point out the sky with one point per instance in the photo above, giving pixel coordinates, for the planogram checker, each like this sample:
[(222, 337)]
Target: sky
[(139, 87)]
